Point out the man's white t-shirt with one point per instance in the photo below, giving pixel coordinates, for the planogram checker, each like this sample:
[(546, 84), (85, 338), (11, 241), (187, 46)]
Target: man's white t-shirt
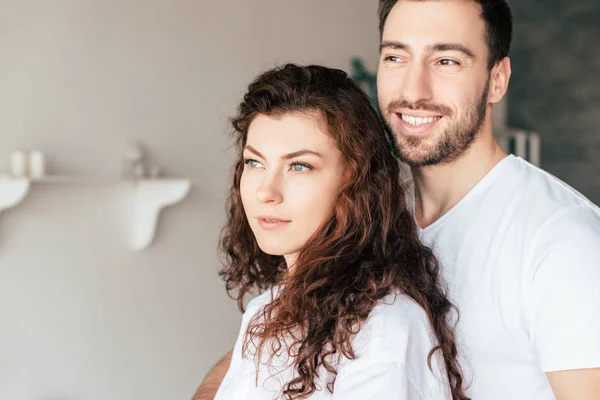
[(521, 256), (391, 349)]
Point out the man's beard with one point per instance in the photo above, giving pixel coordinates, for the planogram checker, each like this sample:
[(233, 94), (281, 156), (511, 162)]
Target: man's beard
[(454, 140)]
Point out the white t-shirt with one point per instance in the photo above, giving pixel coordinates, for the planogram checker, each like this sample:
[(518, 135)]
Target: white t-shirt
[(391, 364), (521, 256)]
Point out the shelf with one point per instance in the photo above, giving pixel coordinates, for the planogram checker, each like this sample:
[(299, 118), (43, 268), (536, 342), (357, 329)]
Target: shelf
[(12, 191), (73, 180), (151, 197)]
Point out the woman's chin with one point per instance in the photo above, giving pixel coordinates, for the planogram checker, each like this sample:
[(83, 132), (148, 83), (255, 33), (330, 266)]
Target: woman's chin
[(277, 249), (272, 250)]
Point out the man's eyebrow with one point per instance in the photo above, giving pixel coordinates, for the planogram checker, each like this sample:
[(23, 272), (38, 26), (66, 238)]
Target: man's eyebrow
[(391, 44), (395, 45), (451, 47)]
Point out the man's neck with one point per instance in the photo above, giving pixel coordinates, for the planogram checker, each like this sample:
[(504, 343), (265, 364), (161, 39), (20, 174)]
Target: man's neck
[(440, 187)]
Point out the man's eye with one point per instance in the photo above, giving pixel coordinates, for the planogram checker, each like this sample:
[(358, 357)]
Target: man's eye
[(448, 62), (393, 59)]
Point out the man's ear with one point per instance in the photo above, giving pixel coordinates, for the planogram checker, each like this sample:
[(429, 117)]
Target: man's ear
[(499, 78)]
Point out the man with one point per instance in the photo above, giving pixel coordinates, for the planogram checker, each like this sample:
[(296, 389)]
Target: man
[(520, 250)]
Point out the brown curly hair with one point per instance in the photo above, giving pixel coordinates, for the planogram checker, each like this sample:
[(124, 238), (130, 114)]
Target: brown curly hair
[(367, 249)]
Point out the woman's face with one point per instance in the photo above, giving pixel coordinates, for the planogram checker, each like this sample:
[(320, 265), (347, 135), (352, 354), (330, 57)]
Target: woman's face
[(291, 179)]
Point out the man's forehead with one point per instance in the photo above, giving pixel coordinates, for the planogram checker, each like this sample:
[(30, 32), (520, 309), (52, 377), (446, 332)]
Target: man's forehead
[(424, 23)]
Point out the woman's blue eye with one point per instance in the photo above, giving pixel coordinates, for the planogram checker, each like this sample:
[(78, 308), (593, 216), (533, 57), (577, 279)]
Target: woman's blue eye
[(299, 167), (252, 163)]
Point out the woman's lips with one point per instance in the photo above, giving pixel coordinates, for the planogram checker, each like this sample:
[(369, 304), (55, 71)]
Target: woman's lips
[(269, 222)]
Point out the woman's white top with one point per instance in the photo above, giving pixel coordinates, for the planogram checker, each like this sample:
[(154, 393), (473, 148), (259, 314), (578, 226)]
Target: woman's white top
[(391, 360)]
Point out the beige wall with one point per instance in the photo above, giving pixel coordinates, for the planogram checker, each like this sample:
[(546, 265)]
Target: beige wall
[(81, 315)]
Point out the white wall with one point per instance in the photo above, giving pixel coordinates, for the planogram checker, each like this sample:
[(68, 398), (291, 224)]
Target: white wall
[(81, 315)]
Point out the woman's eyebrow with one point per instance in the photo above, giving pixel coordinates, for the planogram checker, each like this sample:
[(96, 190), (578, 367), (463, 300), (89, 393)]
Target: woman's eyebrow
[(286, 156)]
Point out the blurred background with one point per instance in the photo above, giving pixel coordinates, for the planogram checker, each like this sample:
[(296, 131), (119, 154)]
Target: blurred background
[(555, 86), (83, 315)]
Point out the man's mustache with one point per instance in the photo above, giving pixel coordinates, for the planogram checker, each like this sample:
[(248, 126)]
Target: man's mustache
[(419, 105)]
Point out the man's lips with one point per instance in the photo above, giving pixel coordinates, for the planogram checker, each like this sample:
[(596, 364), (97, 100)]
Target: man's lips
[(411, 124)]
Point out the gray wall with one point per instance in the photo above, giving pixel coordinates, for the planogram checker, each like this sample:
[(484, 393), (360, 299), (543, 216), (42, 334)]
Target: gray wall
[(555, 88)]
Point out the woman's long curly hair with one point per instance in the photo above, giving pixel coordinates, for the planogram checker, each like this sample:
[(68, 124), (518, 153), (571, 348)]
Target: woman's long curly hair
[(367, 249)]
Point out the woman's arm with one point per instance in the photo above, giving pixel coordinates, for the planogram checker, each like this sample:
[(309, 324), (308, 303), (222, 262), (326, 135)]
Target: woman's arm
[(209, 387)]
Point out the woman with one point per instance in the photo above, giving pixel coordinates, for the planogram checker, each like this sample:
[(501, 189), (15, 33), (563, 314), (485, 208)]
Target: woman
[(352, 306)]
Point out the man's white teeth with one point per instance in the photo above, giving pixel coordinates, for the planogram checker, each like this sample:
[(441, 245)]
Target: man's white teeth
[(418, 120)]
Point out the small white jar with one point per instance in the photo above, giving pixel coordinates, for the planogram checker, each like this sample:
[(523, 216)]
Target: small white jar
[(37, 164), (19, 164)]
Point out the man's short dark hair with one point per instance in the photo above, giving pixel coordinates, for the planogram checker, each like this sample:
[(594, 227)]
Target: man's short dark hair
[(496, 15)]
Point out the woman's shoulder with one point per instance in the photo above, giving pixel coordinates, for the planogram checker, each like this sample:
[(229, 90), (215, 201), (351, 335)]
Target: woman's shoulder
[(396, 326), (393, 345), (399, 306), (261, 300)]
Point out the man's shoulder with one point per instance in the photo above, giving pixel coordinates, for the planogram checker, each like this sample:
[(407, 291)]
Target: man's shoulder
[(548, 213), (524, 197), (540, 197), (543, 186), (527, 184)]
